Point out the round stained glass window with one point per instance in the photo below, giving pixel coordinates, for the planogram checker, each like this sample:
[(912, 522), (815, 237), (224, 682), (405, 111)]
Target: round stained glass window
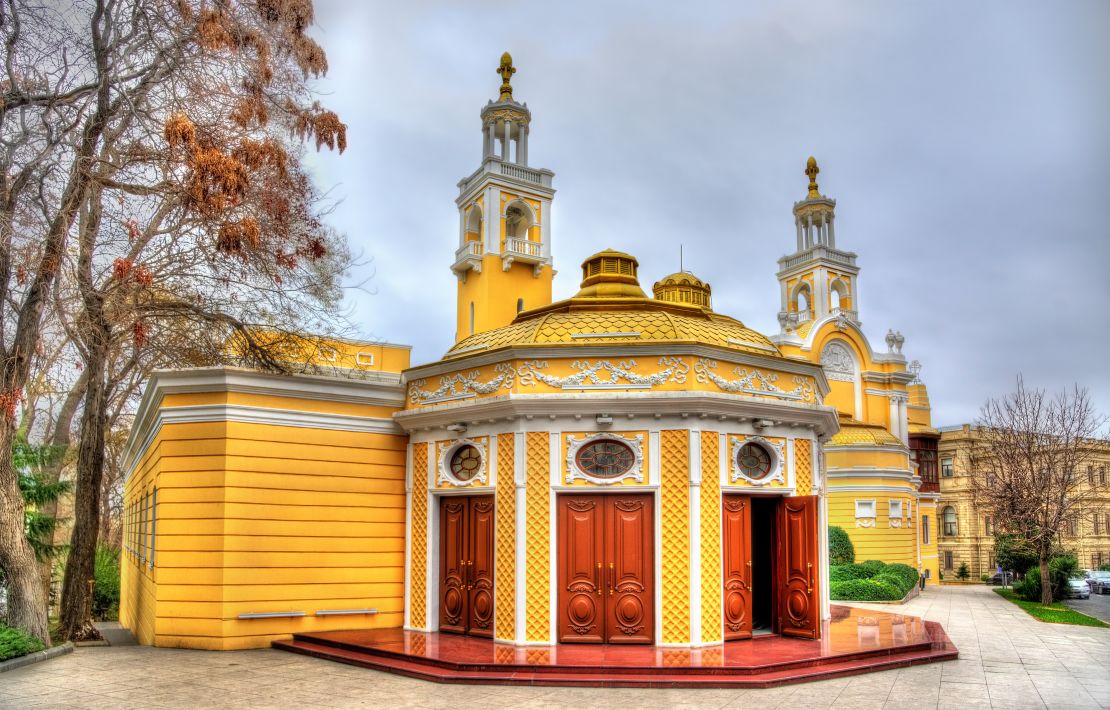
[(606, 458), (465, 463), (754, 461)]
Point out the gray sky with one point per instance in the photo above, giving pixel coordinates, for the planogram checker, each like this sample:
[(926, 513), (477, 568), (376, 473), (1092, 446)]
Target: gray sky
[(967, 146)]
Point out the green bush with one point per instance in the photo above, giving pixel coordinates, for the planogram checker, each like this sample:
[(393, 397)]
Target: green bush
[(1061, 568), (15, 643), (1013, 552), (843, 573), (874, 566), (865, 590), (841, 549), (964, 572), (908, 575), (105, 603)]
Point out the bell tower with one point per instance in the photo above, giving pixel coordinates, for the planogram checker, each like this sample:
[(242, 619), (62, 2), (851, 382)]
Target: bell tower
[(503, 262), (818, 279)]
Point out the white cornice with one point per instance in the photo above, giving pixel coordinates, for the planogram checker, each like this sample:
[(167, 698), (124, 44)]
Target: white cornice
[(371, 388), (251, 415), (625, 351), (821, 418)]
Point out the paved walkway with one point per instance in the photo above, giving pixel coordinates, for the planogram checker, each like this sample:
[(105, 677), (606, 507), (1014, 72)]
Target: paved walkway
[(1007, 660)]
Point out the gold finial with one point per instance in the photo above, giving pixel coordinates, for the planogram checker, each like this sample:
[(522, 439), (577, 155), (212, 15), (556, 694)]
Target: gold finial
[(506, 70), (811, 171)]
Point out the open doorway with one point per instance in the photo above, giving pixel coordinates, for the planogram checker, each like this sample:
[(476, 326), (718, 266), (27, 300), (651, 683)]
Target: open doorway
[(763, 565)]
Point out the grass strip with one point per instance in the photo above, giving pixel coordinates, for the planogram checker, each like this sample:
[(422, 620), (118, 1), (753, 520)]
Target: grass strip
[(1055, 613)]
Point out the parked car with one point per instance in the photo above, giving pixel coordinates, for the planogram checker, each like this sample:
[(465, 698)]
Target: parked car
[(1099, 582), (1003, 578), (1078, 589)]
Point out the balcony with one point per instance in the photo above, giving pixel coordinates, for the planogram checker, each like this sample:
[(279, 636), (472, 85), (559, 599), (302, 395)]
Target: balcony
[(816, 253), (525, 251), (468, 256), (495, 166)]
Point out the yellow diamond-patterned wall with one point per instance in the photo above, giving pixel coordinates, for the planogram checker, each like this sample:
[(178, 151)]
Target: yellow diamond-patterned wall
[(803, 467), (505, 573), (419, 538), (538, 572), (674, 494), (711, 623)]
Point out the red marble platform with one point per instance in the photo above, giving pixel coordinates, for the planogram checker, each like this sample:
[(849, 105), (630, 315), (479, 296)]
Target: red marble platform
[(854, 641)]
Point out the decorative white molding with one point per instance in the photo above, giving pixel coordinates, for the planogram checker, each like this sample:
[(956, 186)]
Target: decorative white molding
[(774, 451), (462, 385), (752, 382), (604, 375), (865, 522), (838, 362), (447, 450), (574, 445)]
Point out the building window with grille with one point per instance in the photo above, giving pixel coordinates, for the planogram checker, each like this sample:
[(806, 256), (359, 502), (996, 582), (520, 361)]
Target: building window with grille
[(947, 560), (1070, 527), (949, 518), (925, 529), (1102, 475), (946, 467), (988, 525), (1091, 475)]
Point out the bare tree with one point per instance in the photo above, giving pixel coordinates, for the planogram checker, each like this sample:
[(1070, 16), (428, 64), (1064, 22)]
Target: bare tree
[(1028, 455)]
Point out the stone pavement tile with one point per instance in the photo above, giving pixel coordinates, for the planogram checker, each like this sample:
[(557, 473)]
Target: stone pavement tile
[(757, 697)]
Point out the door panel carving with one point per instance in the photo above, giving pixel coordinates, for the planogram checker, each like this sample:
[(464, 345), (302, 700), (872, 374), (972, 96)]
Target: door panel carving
[(605, 569), (466, 565), (799, 605), (737, 556)]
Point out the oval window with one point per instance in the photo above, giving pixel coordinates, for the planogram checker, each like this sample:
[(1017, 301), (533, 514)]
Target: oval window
[(753, 461), (606, 458), (465, 463)]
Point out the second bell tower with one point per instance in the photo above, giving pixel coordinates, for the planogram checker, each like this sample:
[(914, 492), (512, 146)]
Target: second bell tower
[(503, 262)]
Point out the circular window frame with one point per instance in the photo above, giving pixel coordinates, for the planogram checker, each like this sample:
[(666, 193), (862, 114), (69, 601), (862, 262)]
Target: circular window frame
[(774, 451), (620, 445), (575, 472), (448, 453)]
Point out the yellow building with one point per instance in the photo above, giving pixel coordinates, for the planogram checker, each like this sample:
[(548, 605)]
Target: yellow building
[(876, 463), (608, 468), (966, 533)]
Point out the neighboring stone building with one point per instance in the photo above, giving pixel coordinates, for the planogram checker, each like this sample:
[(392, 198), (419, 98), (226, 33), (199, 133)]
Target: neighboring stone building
[(966, 533)]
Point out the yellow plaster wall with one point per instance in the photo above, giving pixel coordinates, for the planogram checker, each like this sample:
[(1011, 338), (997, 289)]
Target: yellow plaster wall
[(267, 518), (538, 573), (674, 494), (495, 291), (881, 542), (505, 572), (712, 624), (139, 590), (929, 555)]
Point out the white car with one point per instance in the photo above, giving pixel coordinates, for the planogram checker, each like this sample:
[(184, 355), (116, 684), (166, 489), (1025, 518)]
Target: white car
[(1078, 589)]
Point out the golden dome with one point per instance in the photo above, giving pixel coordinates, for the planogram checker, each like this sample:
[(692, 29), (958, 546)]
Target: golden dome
[(683, 287), (857, 433), (610, 274)]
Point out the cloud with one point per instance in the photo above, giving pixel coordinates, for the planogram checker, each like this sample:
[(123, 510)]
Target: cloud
[(966, 146)]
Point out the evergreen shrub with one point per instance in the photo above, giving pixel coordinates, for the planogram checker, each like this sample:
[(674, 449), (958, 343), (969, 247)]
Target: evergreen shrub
[(105, 603), (841, 549), (865, 590), (15, 643)]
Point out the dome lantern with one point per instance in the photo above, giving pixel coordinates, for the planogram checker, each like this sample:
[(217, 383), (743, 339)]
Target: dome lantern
[(685, 288), (610, 274)]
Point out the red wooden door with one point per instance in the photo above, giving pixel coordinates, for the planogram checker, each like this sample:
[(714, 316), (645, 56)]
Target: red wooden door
[(480, 601), (737, 552), (581, 596), (628, 537), (466, 565), (453, 592), (605, 569), (800, 607)]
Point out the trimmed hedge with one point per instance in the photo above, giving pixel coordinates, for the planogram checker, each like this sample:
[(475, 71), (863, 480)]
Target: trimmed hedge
[(841, 549), (871, 581), (15, 643), (865, 590)]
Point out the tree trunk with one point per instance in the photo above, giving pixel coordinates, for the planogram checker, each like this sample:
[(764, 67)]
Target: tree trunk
[(1046, 582), (76, 610), (26, 597)]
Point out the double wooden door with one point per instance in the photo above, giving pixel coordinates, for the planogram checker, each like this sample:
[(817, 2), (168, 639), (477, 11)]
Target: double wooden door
[(466, 565), (793, 583), (605, 569)]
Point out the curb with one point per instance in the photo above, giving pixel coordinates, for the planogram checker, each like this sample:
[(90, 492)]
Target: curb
[(37, 657)]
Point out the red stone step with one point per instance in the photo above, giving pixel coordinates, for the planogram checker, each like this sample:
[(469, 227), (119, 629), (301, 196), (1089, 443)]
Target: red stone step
[(715, 677), (609, 669)]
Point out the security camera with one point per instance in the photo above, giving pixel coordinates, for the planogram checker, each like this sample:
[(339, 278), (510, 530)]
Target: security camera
[(762, 423), (604, 419), (458, 428)]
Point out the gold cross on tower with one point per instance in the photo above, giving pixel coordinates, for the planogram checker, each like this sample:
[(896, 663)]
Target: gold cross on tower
[(506, 70), (811, 172)]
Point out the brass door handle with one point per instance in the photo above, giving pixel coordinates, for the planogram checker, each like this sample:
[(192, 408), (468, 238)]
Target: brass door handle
[(597, 579), (748, 583), (611, 574), (809, 568)]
